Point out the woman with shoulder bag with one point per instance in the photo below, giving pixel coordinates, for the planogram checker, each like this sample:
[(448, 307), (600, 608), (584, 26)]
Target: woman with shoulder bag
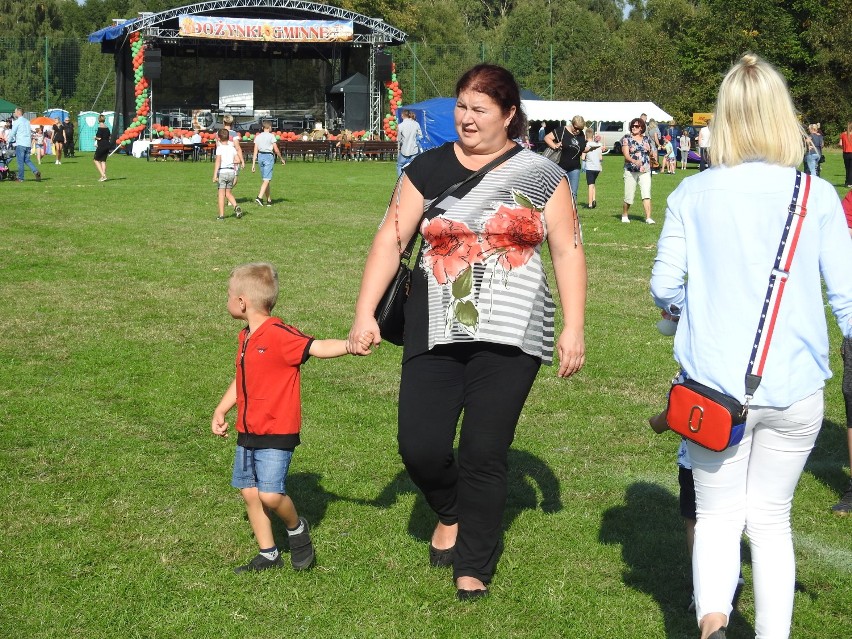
[(479, 317), (572, 141), (638, 150), (723, 233)]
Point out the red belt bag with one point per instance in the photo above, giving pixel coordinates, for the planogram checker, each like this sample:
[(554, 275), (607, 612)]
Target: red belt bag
[(706, 416), (714, 419)]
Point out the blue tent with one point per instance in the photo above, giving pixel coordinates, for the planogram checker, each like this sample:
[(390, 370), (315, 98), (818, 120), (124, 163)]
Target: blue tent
[(435, 118)]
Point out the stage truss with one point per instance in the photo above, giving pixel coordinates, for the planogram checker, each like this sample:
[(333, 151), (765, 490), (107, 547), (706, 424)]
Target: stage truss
[(380, 33)]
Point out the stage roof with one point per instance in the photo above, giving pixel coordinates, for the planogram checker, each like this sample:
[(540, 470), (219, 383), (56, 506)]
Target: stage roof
[(164, 24)]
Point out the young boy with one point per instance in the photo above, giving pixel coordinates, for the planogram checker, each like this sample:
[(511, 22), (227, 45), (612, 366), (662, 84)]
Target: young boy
[(266, 392), (225, 173), (234, 138)]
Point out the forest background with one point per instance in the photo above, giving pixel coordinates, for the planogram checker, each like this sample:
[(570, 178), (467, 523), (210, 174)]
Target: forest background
[(671, 52)]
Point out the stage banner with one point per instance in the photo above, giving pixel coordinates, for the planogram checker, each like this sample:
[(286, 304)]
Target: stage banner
[(225, 28)]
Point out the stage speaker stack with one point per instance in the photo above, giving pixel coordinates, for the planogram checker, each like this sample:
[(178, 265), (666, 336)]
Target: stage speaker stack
[(153, 63), (383, 66)]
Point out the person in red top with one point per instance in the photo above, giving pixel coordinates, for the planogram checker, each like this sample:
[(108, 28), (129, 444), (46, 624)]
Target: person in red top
[(846, 146), (266, 392)]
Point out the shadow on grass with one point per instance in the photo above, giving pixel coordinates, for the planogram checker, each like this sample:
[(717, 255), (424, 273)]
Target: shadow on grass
[(829, 458), (650, 531), (528, 476)]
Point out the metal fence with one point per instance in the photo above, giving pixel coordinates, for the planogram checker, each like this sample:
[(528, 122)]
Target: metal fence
[(48, 73)]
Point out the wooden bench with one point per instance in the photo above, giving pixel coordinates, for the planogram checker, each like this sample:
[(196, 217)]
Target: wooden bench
[(307, 150), (375, 150), (177, 151)]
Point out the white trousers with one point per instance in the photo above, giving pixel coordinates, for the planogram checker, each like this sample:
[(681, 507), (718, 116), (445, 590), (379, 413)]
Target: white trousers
[(750, 487)]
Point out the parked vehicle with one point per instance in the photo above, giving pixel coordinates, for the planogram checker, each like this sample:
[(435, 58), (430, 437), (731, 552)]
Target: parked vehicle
[(611, 133)]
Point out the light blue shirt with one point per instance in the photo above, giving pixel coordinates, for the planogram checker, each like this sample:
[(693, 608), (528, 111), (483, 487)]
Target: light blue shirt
[(722, 231), (21, 132)]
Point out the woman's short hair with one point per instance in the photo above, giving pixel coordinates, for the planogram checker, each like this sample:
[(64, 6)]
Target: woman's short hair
[(578, 122), (101, 118), (258, 282), (637, 122), (498, 84), (755, 118)]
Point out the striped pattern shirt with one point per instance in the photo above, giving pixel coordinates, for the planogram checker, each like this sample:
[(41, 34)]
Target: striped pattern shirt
[(479, 275)]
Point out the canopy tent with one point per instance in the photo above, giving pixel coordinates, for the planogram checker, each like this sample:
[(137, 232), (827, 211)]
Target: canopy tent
[(6, 106), (551, 110), (435, 118)]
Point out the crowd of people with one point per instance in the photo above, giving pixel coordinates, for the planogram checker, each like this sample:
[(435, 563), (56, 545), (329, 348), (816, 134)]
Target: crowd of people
[(479, 323)]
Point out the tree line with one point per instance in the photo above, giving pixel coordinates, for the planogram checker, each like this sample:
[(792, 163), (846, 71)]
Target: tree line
[(671, 52)]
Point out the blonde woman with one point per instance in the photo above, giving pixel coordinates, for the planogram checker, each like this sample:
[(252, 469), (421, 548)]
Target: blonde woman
[(572, 140), (729, 221)]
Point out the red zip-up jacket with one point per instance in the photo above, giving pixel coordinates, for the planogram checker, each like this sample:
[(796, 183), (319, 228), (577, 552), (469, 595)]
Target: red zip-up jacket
[(269, 406)]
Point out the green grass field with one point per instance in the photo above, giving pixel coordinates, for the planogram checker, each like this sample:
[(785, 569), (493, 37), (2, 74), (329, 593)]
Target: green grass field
[(119, 520)]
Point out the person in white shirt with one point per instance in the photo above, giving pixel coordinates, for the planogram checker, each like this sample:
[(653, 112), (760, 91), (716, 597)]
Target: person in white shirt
[(722, 232), (265, 151), (408, 135), (704, 146), (594, 165), (225, 173), (683, 145)]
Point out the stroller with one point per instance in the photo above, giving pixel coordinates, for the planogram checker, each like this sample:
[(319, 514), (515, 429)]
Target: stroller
[(6, 154)]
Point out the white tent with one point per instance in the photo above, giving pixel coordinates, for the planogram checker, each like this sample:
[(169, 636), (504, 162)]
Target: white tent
[(537, 110)]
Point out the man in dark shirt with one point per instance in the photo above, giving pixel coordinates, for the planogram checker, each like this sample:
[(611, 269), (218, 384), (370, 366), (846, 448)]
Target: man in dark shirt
[(69, 138)]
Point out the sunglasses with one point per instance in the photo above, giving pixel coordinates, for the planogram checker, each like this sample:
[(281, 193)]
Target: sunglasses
[(635, 126)]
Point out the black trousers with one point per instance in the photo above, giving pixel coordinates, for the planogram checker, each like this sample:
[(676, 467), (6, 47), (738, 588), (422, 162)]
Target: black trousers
[(489, 383), (847, 164)]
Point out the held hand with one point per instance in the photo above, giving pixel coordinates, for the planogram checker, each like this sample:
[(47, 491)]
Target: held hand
[(363, 336), (214, 179), (571, 349), (253, 168), (219, 426)]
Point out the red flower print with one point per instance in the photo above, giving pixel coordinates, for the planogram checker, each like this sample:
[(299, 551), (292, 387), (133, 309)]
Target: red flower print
[(514, 234), (452, 248)]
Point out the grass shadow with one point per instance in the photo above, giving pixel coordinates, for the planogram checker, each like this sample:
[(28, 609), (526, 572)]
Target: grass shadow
[(829, 457), (528, 477), (649, 529)]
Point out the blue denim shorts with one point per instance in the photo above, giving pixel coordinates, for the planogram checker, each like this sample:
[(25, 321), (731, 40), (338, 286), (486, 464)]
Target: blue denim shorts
[(266, 162), (261, 468)]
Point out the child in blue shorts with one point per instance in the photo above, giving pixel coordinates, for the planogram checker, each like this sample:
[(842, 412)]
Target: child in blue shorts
[(266, 392)]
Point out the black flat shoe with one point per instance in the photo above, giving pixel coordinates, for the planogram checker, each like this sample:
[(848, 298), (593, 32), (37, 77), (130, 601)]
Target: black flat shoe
[(471, 595), (441, 558)]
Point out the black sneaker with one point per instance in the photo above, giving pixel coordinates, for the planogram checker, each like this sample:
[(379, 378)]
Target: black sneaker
[(38, 177), (259, 563), (301, 549), (238, 212), (259, 201), (844, 506)]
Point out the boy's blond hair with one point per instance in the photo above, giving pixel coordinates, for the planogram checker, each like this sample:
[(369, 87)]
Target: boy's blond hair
[(258, 282), (228, 119)]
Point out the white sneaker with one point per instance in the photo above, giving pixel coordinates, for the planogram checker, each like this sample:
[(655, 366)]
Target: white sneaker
[(57, 162), (649, 221), (625, 219)]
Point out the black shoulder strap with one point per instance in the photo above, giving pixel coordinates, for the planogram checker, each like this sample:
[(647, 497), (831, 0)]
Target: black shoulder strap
[(516, 148)]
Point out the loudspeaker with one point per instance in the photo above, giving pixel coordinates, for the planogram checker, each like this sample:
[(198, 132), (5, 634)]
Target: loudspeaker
[(152, 59), (383, 66)]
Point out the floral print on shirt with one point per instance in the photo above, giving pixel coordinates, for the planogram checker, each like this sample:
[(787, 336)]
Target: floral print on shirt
[(507, 240)]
